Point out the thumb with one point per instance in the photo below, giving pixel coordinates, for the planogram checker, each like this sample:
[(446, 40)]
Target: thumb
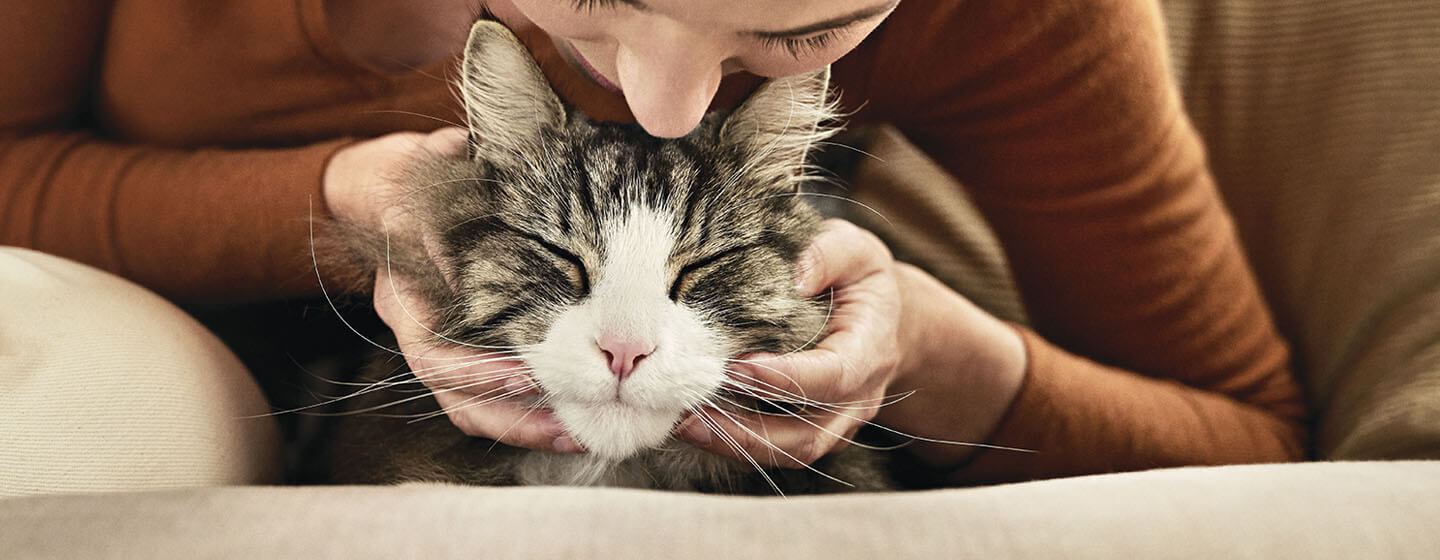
[(841, 254)]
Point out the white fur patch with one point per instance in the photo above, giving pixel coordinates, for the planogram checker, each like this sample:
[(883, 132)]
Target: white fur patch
[(612, 418)]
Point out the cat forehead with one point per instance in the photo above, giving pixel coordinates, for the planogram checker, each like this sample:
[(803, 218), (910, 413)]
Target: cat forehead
[(578, 186)]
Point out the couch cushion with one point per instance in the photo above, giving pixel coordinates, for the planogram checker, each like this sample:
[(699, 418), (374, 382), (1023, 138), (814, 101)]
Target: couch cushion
[(1304, 510), (1323, 123), (105, 386)]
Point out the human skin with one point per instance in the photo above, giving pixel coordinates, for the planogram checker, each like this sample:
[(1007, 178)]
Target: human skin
[(895, 330)]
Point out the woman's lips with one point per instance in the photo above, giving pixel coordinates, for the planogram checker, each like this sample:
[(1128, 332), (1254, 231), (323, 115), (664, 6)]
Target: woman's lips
[(594, 75)]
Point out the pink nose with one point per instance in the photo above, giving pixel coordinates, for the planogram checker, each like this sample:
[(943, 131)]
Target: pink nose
[(623, 353)]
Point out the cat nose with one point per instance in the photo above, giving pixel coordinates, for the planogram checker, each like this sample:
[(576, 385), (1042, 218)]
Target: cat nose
[(623, 354)]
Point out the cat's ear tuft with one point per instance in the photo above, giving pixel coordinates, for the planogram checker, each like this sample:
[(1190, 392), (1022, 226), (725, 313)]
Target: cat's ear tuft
[(776, 127), (509, 105)]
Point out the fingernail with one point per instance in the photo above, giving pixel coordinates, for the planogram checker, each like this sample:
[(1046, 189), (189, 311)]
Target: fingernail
[(802, 271), (450, 138), (519, 384), (567, 444), (553, 428), (747, 371)]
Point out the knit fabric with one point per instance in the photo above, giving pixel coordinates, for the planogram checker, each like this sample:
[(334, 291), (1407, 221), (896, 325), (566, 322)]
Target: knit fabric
[(181, 143)]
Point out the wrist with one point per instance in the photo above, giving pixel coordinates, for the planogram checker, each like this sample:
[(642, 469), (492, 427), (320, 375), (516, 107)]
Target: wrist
[(964, 365)]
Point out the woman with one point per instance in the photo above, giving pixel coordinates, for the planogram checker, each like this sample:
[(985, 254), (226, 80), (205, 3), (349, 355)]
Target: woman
[(1151, 345)]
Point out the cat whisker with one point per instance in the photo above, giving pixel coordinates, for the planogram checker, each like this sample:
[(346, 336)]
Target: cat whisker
[(394, 290), (305, 410), (777, 448), (441, 370), (418, 190), (315, 263), (841, 437), (442, 373), (415, 114), (325, 292), (815, 337), (773, 393), (366, 388), (838, 410), (757, 363), (537, 405), (933, 440), (478, 377), (730, 442), (831, 143), (862, 205), (480, 399)]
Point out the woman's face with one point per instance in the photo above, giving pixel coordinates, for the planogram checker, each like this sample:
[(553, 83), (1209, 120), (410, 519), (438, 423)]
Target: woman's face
[(667, 56)]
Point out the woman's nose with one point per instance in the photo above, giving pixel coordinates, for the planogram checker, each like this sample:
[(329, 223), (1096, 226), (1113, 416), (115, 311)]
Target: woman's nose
[(667, 87)]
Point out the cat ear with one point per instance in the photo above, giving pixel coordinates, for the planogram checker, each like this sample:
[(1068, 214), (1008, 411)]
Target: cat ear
[(508, 103), (779, 123)]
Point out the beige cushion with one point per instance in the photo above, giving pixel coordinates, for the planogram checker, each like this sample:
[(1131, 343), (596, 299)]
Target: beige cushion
[(1323, 122), (1311, 511), (105, 386)]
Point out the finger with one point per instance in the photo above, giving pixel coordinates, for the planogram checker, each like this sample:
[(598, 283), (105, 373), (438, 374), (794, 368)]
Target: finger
[(507, 422), (769, 441), (436, 361), (841, 254), (826, 374)]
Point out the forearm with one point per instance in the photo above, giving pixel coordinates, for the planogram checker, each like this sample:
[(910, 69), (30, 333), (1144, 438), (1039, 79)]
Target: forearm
[(979, 380), (194, 225), (1082, 417), (963, 372)]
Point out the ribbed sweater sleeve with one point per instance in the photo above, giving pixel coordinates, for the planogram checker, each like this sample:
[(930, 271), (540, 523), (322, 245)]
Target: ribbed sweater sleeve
[(193, 224), (1063, 122)]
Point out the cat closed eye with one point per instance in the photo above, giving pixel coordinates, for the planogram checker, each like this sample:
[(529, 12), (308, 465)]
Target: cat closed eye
[(579, 277), (688, 273)]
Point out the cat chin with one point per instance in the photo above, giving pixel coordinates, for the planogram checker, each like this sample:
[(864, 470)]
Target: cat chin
[(615, 431)]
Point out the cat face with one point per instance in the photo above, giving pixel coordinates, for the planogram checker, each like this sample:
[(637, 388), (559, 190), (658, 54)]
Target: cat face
[(624, 270)]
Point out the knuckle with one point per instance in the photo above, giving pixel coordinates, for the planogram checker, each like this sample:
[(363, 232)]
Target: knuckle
[(887, 360), (878, 248), (384, 304), (746, 441), (839, 226)]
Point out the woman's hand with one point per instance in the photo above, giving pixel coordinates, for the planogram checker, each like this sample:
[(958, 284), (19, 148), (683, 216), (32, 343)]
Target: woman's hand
[(476, 387), (894, 332)]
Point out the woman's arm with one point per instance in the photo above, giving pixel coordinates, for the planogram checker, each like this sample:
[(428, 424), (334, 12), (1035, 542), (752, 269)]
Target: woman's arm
[(191, 224), (1152, 345)]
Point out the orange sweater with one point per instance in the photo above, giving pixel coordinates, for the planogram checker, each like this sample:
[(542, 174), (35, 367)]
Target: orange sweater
[(181, 143)]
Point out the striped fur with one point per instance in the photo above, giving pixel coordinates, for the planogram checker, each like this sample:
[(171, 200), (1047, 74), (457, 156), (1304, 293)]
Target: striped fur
[(560, 232)]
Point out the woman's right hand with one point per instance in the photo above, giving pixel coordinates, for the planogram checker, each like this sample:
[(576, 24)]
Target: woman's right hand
[(476, 388)]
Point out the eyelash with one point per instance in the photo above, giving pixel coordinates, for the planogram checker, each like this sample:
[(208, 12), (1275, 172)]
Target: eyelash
[(689, 270), (583, 277), (591, 5), (796, 47), (800, 47)]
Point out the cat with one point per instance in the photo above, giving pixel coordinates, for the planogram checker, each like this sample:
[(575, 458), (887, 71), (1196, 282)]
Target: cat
[(562, 233)]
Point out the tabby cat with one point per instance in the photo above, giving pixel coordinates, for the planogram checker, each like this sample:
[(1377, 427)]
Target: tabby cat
[(566, 236)]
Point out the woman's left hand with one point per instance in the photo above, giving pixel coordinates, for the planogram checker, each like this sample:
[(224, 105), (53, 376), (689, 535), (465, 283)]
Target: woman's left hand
[(904, 352), (846, 376)]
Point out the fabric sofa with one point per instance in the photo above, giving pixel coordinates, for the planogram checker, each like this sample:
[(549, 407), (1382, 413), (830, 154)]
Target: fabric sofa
[(1323, 125)]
